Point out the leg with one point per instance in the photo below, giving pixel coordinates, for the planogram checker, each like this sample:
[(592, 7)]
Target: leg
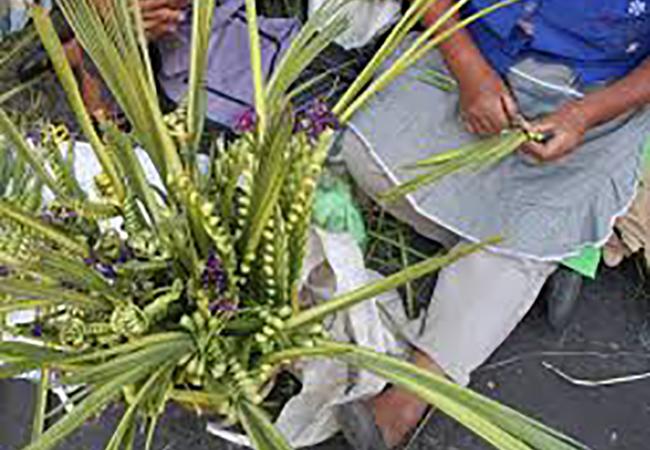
[(477, 303)]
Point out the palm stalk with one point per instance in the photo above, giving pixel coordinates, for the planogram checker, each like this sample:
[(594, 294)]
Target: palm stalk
[(426, 42), (472, 157), (62, 67)]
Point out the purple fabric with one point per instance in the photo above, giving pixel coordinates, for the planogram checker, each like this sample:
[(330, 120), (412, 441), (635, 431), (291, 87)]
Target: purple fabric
[(228, 79)]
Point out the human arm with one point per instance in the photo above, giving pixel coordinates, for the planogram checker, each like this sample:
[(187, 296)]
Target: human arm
[(162, 17), (568, 126), (487, 106)]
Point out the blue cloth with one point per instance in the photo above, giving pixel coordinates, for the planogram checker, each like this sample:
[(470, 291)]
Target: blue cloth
[(601, 40), (14, 15)]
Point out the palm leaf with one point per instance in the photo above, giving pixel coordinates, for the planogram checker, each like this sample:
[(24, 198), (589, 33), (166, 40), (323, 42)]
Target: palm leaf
[(499, 425), (41, 229), (259, 428), (203, 13), (256, 64), (269, 181), (52, 44), (109, 38), (371, 290), (23, 148), (149, 357), (322, 28), (474, 156), (128, 419), (92, 405), (29, 291), (427, 41)]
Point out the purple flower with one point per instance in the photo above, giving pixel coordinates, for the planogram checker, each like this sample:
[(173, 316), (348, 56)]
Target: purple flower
[(4, 271), (126, 254), (316, 119), (90, 261), (106, 270), (214, 276), (222, 305), (37, 330), (246, 122)]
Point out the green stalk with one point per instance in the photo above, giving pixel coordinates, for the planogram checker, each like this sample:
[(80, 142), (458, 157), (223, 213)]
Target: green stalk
[(417, 51), (203, 13), (371, 290), (42, 230), (259, 428), (499, 425), (256, 64), (11, 132), (54, 48), (40, 405), (416, 11), (11, 93)]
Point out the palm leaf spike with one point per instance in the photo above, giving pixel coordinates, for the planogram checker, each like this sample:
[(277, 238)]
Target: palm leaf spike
[(115, 50), (424, 44), (42, 230), (256, 66), (411, 17), (347, 110), (322, 28), (474, 156), (437, 40), (24, 149), (203, 13), (259, 428), (269, 179), (53, 45), (129, 417)]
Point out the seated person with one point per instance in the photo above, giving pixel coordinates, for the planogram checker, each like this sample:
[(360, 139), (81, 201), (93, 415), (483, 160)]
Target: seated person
[(577, 71)]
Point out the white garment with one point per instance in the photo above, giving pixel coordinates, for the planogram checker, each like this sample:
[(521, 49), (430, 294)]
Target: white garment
[(478, 300), (367, 18)]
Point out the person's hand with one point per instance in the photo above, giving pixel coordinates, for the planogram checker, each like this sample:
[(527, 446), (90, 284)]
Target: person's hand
[(162, 17), (486, 104), (565, 131)]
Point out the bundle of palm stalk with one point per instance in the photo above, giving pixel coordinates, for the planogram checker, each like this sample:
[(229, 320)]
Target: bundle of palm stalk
[(188, 290), (475, 156)]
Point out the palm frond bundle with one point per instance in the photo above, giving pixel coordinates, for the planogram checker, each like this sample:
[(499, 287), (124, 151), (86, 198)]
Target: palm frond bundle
[(474, 156), (189, 293)]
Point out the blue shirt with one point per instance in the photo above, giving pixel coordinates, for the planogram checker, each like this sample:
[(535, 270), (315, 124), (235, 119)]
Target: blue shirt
[(601, 39)]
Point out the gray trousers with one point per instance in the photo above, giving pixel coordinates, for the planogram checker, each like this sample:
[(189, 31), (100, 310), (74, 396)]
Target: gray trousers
[(477, 302)]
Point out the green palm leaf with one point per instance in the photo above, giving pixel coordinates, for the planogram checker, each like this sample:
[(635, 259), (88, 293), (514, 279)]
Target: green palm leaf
[(53, 45), (92, 405), (371, 290), (259, 428), (23, 148), (203, 13), (256, 64), (499, 425)]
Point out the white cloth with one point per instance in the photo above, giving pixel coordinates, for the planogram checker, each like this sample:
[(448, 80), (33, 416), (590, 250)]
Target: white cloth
[(478, 300), (367, 18)]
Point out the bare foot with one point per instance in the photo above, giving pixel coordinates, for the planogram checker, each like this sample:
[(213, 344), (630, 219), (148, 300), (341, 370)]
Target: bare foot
[(397, 413)]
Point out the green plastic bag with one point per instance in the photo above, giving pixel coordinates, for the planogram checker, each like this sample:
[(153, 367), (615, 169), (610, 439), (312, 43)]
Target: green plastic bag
[(335, 209)]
